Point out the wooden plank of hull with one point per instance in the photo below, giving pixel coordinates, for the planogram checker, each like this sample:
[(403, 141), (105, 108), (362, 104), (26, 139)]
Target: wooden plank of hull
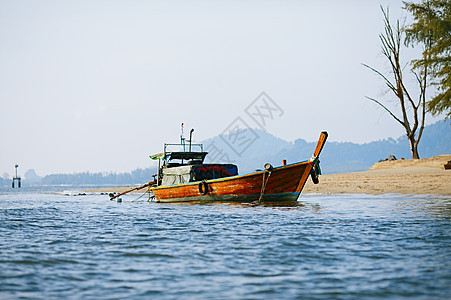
[(284, 184)]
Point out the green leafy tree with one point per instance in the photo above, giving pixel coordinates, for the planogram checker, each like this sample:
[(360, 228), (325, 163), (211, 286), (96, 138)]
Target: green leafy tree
[(432, 29), (413, 111)]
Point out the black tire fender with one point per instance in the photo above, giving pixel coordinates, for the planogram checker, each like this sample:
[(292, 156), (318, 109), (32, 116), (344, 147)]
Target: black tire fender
[(203, 188), (315, 178)]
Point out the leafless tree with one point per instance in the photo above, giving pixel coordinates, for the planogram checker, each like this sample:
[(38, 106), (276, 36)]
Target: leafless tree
[(392, 40)]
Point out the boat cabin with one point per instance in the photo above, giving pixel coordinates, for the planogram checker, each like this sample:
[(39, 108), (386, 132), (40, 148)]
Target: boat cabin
[(178, 167)]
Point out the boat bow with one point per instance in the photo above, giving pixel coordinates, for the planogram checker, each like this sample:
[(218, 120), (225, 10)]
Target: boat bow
[(314, 161)]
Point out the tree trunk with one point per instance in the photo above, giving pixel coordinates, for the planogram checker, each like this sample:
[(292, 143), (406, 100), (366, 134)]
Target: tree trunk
[(413, 147)]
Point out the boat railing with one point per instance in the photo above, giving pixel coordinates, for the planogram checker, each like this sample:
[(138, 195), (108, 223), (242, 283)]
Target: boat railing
[(182, 147)]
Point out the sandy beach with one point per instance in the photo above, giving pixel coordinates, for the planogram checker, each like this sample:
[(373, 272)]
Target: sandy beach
[(423, 176)]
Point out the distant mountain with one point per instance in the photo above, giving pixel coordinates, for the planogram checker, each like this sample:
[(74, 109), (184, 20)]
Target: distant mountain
[(252, 148), (4, 182), (31, 176), (249, 149), (137, 176)]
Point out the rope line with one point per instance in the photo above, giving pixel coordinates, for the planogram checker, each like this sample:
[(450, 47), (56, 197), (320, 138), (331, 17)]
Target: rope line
[(140, 196), (264, 183)]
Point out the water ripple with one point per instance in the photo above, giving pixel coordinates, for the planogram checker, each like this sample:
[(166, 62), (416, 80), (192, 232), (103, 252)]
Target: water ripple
[(341, 247)]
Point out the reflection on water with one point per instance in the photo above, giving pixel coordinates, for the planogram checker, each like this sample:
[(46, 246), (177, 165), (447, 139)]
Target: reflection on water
[(339, 246)]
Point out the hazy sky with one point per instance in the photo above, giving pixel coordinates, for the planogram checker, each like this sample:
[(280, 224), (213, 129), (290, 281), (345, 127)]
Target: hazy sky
[(100, 85)]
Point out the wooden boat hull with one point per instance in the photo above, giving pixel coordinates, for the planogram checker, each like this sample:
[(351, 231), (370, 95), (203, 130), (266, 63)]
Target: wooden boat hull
[(282, 184)]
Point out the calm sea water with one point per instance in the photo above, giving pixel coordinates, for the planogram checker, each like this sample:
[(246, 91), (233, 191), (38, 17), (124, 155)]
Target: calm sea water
[(326, 247)]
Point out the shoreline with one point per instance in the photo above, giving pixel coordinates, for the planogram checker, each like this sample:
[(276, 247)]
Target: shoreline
[(422, 176)]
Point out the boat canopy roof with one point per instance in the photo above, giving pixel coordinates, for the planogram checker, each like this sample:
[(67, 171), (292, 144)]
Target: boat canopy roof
[(180, 155), (186, 155)]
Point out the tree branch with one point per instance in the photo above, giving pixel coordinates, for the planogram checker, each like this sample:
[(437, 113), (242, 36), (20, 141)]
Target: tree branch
[(390, 85), (384, 107)]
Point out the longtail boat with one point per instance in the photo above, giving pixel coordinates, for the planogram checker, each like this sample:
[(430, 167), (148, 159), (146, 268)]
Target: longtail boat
[(184, 177)]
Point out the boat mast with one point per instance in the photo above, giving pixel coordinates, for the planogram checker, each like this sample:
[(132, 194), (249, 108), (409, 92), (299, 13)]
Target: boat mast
[(182, 139)]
